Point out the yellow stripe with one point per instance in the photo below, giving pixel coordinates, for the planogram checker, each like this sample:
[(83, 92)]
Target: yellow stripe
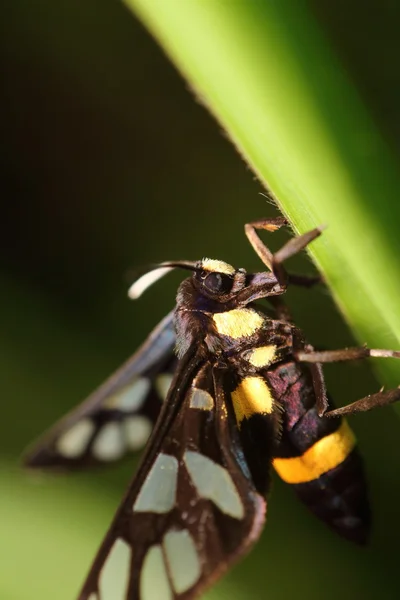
[(237, 323), (327, 453), (217, 266), (261, 356), (252, 396)]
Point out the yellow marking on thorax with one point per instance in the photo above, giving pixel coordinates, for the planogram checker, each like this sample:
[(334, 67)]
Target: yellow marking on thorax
[(217, 266), (329, 452), (262, 356), (252, 396), (237, 323)]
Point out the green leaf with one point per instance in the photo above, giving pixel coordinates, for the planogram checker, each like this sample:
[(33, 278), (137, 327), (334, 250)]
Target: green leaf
[(267, 74)]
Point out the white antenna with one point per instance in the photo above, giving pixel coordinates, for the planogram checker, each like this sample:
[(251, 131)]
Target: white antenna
[(147, 280)]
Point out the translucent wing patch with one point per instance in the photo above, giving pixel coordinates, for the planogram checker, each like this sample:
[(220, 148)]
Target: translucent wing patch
[(119, 416), (192, 510)]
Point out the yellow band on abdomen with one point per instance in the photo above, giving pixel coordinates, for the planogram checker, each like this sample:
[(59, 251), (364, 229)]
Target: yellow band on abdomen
[(329, 452)]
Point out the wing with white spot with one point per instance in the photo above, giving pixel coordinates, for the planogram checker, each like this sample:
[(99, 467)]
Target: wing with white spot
[(119, 416), (192, 509)]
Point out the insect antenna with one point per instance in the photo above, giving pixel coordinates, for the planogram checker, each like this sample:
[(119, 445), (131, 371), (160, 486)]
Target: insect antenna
[(152, 273)]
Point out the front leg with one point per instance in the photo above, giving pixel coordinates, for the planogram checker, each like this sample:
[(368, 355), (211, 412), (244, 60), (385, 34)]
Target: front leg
[(274, 262)]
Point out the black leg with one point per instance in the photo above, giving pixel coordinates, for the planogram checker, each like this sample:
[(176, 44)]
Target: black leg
[(274, 262), (367, 403), (319, 388), (304, 280), (281, 308)]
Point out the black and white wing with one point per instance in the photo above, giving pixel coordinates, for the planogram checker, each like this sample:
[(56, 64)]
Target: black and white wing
[(192, 509), (119, 416)]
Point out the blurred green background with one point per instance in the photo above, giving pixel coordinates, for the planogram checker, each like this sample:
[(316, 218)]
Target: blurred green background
[(108, 162)]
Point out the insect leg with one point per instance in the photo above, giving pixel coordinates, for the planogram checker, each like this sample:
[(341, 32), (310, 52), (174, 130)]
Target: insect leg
[(367, 403), (263, 252), (321, 396), (292, 247), (343, 354), (282, 310), (304, 280), (362, 405)]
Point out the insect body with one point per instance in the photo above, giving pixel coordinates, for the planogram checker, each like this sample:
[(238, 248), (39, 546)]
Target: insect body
[(245, 391)]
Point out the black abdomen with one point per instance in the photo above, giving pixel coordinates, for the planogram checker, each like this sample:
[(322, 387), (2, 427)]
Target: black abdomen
[(318, 456), (339, 497)]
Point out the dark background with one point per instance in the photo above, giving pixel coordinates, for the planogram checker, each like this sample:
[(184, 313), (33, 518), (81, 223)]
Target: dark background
[(107, 162)]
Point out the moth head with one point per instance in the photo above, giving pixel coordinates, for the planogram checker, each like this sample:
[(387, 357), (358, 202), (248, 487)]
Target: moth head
[(223, 284), (213, 278)]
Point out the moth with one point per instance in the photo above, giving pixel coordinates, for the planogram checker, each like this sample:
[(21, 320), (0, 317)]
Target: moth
[(222, 389)]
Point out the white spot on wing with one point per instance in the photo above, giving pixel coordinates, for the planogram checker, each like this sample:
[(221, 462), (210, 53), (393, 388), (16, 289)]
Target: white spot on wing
[(110, 443), (214, 483), (158, 492), (154, 579), (93, 596), (201, 399), (114, 576), (162, 384), (73, 442), (182, 558), (137, 430), (131, 397)]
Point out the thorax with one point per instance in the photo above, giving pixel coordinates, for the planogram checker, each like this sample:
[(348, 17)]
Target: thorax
[(240, 335)]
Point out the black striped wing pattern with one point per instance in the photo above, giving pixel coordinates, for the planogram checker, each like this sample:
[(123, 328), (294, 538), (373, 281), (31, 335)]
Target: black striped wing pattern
[(119, 416), (192, 509)]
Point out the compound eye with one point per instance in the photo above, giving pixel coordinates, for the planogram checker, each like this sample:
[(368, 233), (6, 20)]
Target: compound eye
[(218, 283)]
